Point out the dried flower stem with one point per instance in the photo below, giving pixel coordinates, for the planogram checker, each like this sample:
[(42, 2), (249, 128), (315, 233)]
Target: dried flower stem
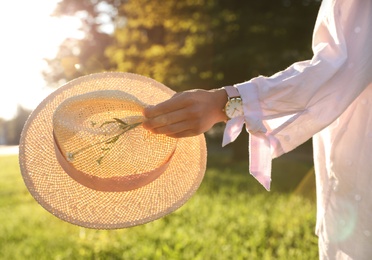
[(112, 140)]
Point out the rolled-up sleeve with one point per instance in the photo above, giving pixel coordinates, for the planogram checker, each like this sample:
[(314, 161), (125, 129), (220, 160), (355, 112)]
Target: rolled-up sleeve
[(298, 102)]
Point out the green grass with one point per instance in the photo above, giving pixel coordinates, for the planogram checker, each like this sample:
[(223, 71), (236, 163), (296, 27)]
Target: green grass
[(230, 217)]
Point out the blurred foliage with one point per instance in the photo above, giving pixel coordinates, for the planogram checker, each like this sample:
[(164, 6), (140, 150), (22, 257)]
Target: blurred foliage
[(186, 44), (78, 57)]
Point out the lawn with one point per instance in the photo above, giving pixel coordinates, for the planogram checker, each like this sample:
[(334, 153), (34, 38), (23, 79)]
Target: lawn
[(230, 217)]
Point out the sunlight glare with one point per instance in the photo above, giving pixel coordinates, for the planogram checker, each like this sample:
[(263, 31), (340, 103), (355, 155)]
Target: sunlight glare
[(30, 34)]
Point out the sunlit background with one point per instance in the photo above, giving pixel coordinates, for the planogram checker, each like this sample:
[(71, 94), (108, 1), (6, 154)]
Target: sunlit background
[(29, 35)]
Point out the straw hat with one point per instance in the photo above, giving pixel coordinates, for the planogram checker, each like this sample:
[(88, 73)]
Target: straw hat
[(85, 157)]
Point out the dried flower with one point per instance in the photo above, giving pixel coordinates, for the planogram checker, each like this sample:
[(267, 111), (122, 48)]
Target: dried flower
[(123, 126)]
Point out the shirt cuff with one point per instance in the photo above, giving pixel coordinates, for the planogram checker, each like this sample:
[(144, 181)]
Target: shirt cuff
[(259, 144)]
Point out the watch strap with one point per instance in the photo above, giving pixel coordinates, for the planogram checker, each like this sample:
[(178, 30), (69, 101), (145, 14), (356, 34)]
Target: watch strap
[(232, 91)]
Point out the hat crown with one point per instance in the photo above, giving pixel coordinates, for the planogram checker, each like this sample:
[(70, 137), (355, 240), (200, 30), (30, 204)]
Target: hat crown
[(102, 143)]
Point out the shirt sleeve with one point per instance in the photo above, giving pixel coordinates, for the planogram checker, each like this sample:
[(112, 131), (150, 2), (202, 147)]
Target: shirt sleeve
[(298, 102)]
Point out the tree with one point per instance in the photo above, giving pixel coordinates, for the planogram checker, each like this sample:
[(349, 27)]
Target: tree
[(77, 57), (187, 44), (205, 43)]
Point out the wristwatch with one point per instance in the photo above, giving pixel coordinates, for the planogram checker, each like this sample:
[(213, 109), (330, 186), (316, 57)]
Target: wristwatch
[(234, 105)]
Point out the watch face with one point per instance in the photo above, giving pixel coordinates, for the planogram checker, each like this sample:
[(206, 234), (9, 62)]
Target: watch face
[(234, 108)]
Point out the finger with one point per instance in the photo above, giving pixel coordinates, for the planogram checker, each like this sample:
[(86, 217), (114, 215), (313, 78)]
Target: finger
[(173, 129), (164, 120), (187, 133), (170, 105)]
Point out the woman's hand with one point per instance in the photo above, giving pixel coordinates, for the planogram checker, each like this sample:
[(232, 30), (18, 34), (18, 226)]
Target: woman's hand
[(187, 113)]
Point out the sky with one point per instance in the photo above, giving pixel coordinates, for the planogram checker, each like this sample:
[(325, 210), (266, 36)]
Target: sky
[(28, 35)]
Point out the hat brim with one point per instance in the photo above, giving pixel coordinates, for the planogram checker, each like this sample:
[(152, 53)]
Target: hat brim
[(67, 199)]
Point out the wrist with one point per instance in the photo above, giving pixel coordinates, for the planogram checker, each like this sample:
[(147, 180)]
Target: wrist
[(219, 98)]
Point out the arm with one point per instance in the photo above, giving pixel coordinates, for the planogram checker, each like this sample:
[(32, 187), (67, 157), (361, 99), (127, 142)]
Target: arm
[(300, 101)]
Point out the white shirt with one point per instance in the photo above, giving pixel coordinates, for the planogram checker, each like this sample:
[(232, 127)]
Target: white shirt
[(328, 98)]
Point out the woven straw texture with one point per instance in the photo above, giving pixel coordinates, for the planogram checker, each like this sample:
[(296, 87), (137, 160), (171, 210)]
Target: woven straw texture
[(81, 116)]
